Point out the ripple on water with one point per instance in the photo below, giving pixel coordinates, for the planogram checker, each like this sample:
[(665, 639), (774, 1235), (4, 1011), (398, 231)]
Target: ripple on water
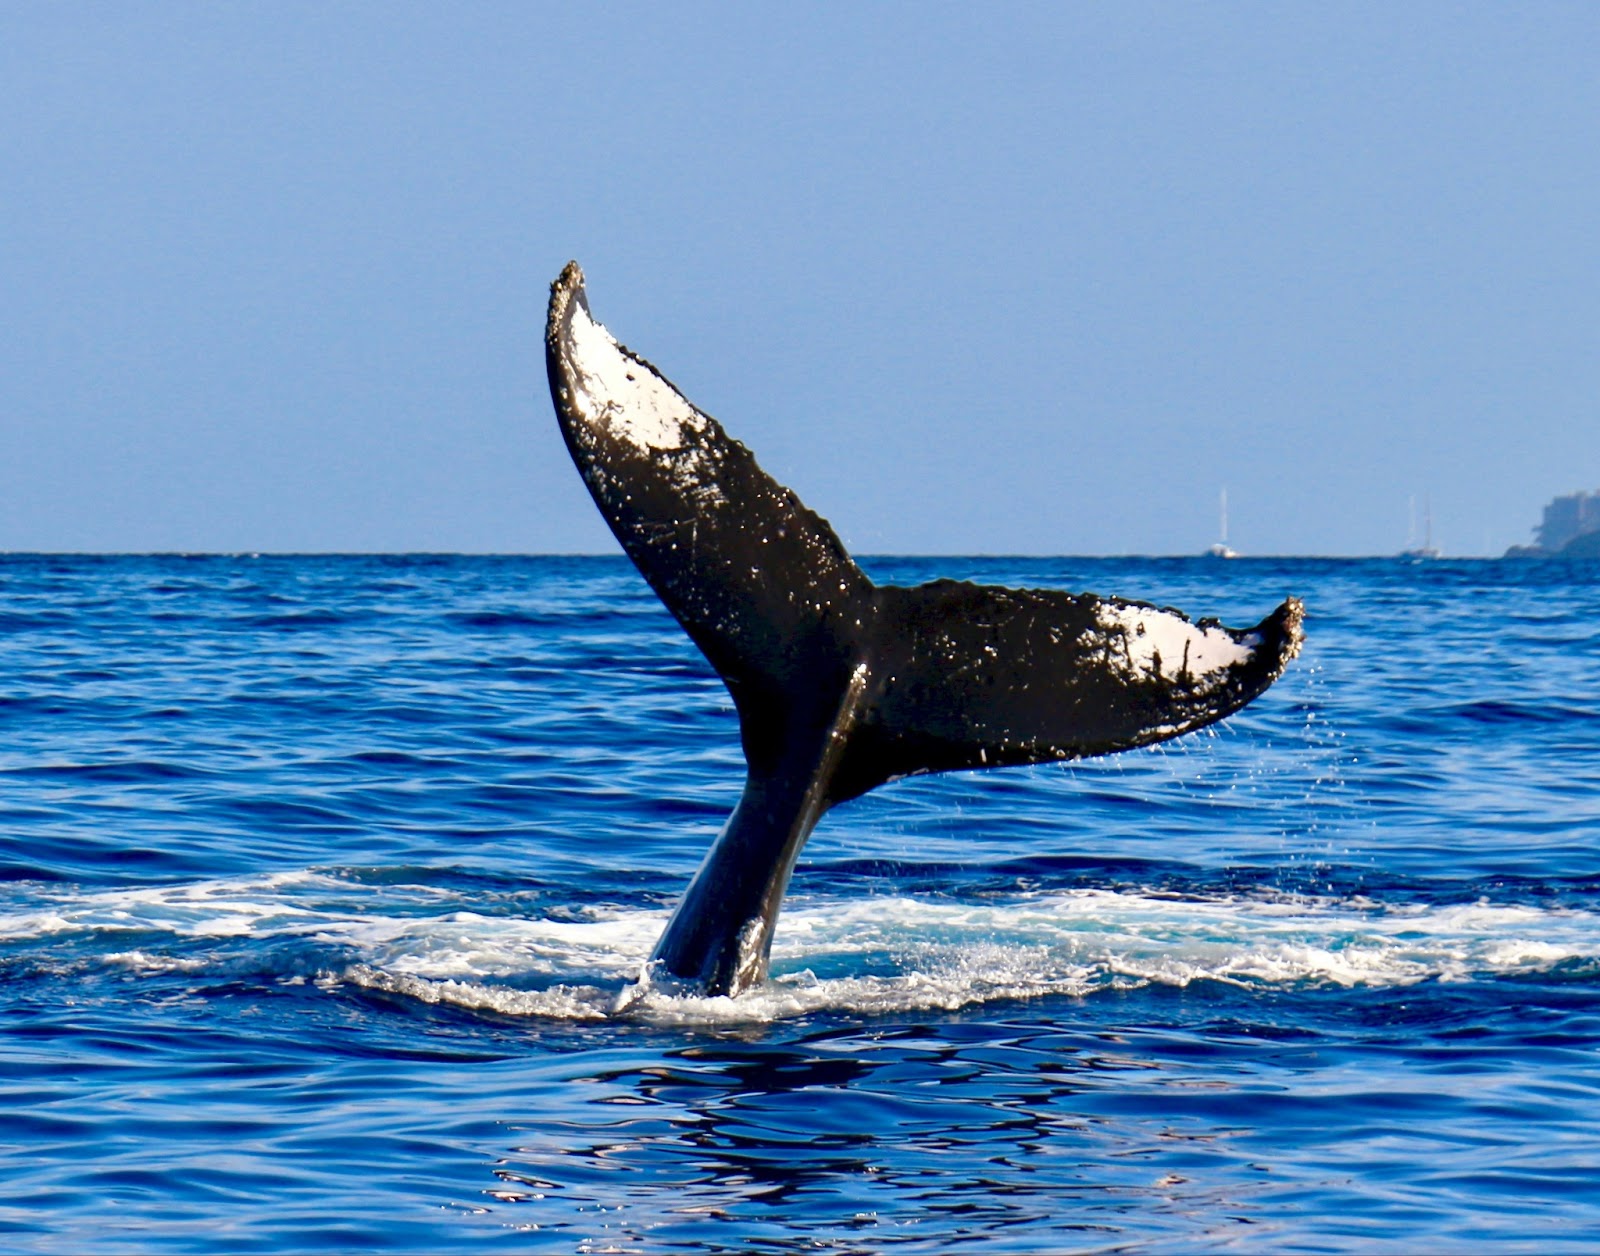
[(323, 877)]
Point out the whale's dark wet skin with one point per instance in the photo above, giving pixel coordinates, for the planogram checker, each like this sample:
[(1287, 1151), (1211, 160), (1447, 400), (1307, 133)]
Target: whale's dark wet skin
[(842, 685)]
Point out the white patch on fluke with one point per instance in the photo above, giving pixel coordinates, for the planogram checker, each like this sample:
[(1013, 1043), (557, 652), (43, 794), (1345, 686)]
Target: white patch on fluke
[(634, 403), (1168, 645)]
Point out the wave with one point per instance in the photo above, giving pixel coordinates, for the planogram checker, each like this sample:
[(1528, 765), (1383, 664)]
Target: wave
[(864, 955)]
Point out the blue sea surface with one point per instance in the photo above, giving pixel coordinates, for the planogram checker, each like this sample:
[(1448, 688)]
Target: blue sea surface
[(320, 878)]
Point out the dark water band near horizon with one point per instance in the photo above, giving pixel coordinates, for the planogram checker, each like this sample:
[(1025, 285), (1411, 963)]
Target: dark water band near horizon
[(320, 878)]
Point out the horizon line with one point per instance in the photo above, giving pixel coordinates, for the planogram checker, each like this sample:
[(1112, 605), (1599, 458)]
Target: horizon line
[(975, 554)]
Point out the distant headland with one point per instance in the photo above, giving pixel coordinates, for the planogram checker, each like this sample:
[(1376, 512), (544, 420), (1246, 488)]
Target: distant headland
[(1571, 529)]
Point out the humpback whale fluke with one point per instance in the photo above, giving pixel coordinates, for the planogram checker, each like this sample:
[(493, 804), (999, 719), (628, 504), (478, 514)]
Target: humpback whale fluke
[(840, 684)]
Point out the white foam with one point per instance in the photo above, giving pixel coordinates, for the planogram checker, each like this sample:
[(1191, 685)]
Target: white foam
[(882, 955), (560, 1002), (247, 907)]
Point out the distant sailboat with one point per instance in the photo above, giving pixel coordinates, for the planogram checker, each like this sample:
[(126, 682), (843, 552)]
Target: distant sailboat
[(1427, 549), (1220, 549)]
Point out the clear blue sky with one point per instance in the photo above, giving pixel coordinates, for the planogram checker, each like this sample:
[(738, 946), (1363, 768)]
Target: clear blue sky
[(1002, 279)]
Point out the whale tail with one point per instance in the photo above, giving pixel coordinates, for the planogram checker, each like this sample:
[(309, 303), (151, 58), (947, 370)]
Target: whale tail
[(842, 685)]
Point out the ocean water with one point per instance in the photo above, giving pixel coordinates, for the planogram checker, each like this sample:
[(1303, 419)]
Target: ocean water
[(320, 879)]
